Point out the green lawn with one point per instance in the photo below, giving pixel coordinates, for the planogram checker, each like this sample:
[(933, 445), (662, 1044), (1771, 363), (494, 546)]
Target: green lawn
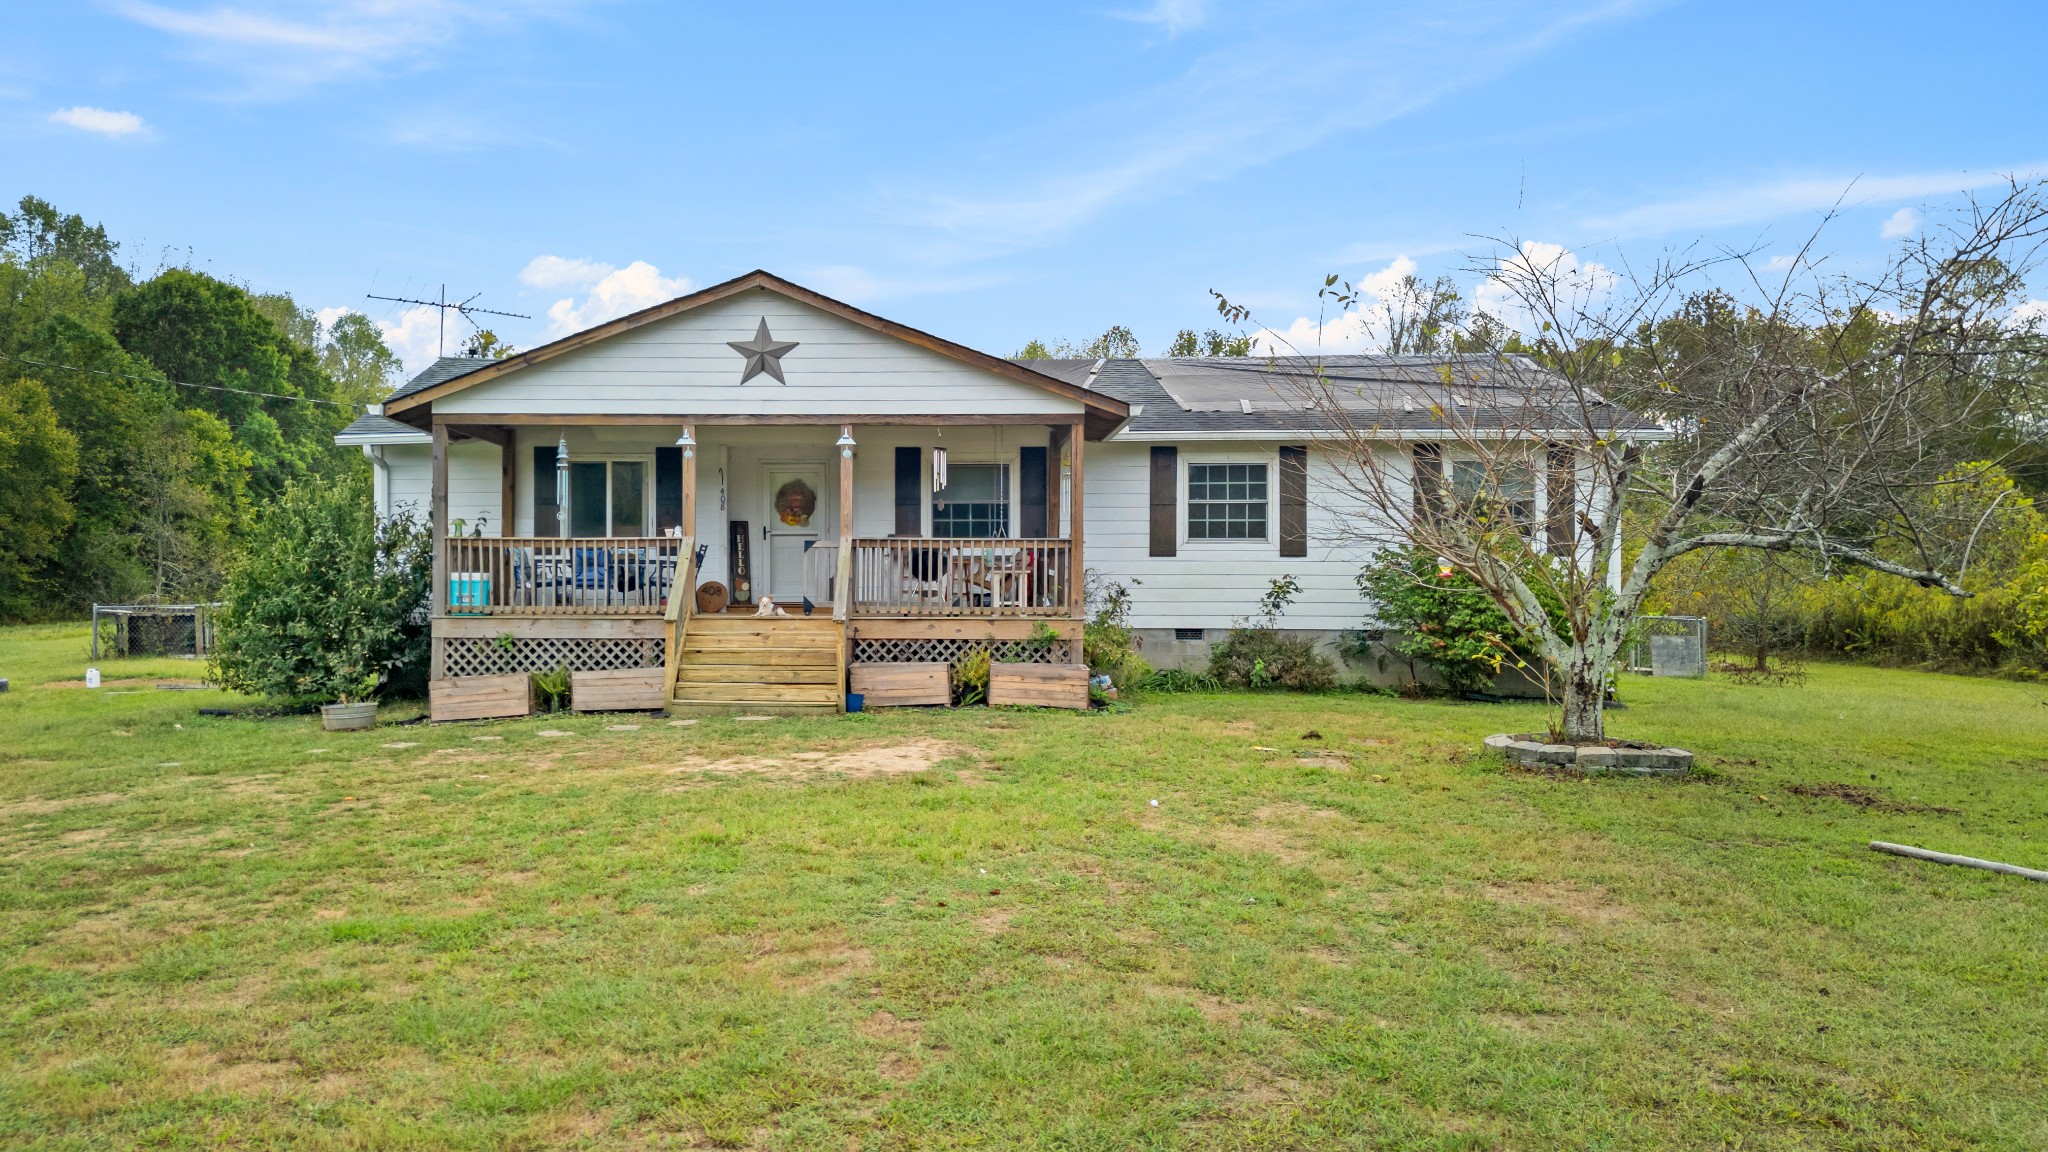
[(975, 929)]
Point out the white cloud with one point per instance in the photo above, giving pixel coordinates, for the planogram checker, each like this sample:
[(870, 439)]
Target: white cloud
[(99, 120), (557, 272), (1548, 274), (1282, 87), (286, 45), (1171, 16), (2030, 313), (1361, 329), (327, 316), (1904, 222), (413, 336), (612, 292), (1748, 204)]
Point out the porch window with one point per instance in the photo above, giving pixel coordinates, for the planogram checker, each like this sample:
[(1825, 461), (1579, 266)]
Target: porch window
[(608, 498), (1226, 501), (974, 502)]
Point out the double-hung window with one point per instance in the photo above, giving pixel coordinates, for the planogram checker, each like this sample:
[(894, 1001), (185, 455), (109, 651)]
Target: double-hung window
[(974, 502), (1509, 488), (1227, 501), (608, 498)]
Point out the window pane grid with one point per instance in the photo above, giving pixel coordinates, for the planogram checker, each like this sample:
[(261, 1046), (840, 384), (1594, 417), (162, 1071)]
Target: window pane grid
[(1226, 501)]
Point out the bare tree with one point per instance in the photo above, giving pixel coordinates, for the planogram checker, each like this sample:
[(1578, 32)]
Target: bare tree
[(1807, 410)]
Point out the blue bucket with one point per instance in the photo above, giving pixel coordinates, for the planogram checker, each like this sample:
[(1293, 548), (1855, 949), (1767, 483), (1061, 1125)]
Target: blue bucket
[(854, 700)]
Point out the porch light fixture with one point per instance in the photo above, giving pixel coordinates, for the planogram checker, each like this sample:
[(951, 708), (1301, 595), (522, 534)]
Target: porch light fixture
[(845, 442), (687, 442)]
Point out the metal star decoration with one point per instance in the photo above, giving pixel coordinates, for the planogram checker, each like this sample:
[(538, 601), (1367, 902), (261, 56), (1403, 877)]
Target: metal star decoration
[(764, 354)]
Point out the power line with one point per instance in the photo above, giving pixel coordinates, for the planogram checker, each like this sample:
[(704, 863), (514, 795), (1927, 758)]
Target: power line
[(179, 383), (461, 308)]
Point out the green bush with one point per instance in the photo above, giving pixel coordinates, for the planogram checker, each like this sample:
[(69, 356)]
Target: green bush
[(1445, 622), (1269, 658), (1178, 680), (551, 688), (320, 604), (1107, 645), (970, 678)]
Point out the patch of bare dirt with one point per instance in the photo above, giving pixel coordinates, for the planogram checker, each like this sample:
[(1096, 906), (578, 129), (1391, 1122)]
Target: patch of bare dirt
[(34, 806), (870, 762), (1282, 831), (1863, 798), (808, 965), (1589, 905), (995, 921), (85, 835)]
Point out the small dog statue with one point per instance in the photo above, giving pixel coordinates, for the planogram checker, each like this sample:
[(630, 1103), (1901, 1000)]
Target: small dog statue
[(769, 608)]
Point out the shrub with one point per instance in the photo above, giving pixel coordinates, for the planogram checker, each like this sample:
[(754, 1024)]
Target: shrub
[(1445, 622), (551, 688), (1257, 654), (970, 678), (1107, 645), (1270, 658), (1179, 680), (318, 606)]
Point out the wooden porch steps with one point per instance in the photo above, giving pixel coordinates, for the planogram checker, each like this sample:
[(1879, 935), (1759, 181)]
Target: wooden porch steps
[(783, 664)]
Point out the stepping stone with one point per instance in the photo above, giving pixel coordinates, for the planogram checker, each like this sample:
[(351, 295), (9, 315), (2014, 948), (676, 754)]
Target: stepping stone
[(552, 732), (622, 727), (750, 719), (169, 764), (486, 737), (314, 751), (680, 723), (403, 744)]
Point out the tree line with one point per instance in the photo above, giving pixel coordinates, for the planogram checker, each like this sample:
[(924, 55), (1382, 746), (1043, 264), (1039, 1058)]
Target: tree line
[(144, 422)]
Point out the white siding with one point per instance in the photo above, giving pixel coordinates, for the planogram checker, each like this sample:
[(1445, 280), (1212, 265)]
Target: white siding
[(681, 365), (472, 482), (1213, 583)]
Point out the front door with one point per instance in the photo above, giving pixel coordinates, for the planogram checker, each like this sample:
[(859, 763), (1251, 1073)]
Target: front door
[(796, 507)]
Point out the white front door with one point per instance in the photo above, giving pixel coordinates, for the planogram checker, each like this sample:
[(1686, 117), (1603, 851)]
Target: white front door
[(796, 508)]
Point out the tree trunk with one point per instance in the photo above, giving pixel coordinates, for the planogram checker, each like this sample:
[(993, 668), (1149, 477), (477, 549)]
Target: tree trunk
[(1585, 694)]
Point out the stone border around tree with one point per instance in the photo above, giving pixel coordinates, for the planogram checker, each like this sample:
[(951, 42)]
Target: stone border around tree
[(1532, 751)]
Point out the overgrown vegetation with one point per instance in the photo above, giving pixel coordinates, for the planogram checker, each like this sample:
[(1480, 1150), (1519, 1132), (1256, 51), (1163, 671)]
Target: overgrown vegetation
[(1258, 654), (1108, 646), (321, 601), (1442, 620), (149, 419)]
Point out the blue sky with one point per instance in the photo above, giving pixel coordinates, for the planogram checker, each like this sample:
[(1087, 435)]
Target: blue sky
[(990, 173)]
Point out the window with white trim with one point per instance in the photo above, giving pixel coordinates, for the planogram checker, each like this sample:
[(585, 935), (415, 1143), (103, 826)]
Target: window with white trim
[(1510, 486), (1227, 501)]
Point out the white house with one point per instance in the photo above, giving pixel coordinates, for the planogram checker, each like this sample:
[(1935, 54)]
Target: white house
[(925, 499)]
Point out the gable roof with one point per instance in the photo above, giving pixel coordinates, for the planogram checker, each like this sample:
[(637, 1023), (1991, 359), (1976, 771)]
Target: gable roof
[(414, 402), (1225, 397)]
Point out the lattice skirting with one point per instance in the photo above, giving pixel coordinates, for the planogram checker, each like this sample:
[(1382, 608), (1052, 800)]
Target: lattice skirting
[(954, 651), (485, 656)]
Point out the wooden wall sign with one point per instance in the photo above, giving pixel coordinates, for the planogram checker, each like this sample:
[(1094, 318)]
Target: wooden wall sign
[(742, 564)]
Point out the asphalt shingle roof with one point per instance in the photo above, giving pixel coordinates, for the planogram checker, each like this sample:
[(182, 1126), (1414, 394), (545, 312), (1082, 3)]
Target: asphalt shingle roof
[(445, 368), (371, 424)]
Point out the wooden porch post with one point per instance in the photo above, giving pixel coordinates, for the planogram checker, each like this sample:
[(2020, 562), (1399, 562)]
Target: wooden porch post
[(846, 486), (690, 481), (508, 483), (438, 513), (1078, 436), (1052, 483)]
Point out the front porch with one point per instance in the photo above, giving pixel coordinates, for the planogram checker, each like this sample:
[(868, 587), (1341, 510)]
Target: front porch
[(798, 512)]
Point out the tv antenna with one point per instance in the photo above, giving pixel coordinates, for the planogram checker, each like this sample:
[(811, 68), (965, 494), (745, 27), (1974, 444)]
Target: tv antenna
[(462, 308)]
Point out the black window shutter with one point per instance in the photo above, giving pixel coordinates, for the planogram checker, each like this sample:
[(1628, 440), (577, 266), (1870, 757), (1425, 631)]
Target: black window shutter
[(1031, 492), (1293, 501), (547, 515), (909, 482), (1562, 498), (668, 488), (1165, 479), (1429, 480)]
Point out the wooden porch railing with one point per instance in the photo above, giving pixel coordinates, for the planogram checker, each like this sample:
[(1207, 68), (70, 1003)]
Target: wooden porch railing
[(913, 576), (560, 576)]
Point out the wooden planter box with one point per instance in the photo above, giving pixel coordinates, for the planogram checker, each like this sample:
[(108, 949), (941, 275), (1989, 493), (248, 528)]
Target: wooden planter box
[(479, 697), (901, 685), (1039, 685), (618, 690)]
